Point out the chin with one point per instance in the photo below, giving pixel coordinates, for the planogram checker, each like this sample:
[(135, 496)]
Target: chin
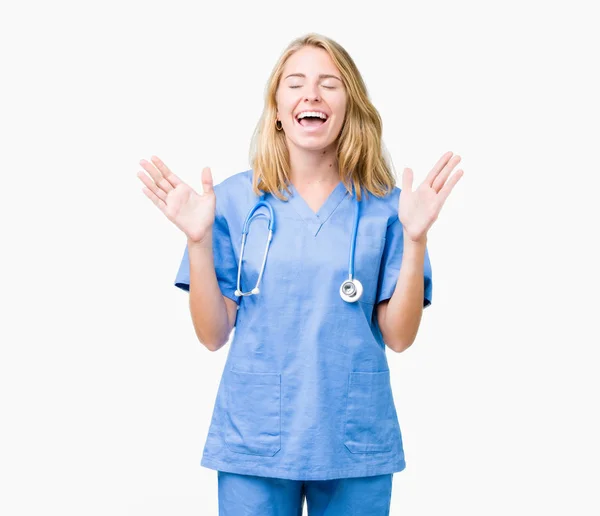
[(313, 144)]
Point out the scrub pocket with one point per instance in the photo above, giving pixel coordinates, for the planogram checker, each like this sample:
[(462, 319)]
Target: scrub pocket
[(371, 421), (253, 413)]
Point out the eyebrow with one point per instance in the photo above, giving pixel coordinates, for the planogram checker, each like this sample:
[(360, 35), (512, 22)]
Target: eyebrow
[(321, 76)]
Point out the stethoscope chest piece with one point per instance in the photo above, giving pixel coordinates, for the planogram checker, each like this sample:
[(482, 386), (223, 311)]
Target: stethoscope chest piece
[(351, 290)]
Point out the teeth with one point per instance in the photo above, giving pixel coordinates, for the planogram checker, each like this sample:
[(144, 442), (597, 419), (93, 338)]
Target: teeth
[(312, 113)]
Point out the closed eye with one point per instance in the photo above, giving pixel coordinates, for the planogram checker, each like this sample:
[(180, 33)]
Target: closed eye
[(328, 87)]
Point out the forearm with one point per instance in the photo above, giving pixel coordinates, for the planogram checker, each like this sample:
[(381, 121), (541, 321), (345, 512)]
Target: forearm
[(402, 315), (207, 306)]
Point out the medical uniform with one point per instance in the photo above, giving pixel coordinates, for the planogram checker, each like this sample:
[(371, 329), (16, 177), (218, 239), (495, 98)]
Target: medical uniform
[(305, 392)]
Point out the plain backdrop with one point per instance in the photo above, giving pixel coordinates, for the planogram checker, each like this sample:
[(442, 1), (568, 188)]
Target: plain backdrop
[(105, 393)]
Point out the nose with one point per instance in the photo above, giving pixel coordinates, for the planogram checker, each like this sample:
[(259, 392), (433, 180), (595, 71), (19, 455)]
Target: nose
[(311, 94), (312, 99)]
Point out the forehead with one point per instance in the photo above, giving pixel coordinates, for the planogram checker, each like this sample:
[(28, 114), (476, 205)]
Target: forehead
[(310, 60)]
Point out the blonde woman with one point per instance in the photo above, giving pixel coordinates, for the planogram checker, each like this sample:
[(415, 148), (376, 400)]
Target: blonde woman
[(319, 262)]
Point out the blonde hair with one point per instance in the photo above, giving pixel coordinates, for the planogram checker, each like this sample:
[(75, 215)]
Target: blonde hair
[(362, 158)]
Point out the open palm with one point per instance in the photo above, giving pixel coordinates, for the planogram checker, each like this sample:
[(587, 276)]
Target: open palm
[(418, 210), (192, 213)]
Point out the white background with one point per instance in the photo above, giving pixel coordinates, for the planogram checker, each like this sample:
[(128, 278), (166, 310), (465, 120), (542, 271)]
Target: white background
[(106, 394)]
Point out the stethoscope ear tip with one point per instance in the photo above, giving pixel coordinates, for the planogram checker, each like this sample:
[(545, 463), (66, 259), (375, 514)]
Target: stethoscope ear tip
[(255, 290)]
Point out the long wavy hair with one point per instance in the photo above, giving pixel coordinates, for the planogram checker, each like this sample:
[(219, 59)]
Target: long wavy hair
[(363, 160)]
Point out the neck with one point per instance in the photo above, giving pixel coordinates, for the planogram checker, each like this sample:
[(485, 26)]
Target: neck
[(313, 167)]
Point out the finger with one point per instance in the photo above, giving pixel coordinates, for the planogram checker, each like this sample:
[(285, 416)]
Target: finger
[(159, 203), (407, 180), (169, 176), (437, 168), (156, 175), (207, 181), (445, 191), (152, 186), (441, 178)]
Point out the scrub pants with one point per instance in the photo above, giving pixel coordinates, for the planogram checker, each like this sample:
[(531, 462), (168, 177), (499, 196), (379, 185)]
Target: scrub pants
[(249, 495)]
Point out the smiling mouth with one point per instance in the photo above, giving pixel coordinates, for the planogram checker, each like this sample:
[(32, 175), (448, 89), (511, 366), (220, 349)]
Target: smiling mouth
[(311, 122)]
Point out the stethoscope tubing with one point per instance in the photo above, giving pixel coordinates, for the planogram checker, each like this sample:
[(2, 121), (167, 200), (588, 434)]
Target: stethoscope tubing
[(351, 283)]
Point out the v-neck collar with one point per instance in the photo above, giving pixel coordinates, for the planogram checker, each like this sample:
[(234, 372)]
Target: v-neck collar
[(315, 221)]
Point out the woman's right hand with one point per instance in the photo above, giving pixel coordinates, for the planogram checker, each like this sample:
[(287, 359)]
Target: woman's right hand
[(191, 212)]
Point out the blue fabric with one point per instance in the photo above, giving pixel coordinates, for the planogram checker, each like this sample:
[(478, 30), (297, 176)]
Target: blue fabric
[(391, 260), (305, 392), (247, 495), (225, 260)]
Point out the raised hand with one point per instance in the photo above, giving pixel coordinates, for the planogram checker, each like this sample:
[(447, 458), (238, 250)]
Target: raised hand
[(191, 212), (418, 210)]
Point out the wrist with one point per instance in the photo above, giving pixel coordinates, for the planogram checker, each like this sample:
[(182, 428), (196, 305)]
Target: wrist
[(418, 242), (203, 243)]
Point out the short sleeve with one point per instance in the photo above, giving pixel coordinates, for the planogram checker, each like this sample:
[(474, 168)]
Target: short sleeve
[(391, 261), (224, 259)]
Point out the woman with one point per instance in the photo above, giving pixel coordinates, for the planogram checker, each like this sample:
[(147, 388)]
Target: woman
[(304, 408)]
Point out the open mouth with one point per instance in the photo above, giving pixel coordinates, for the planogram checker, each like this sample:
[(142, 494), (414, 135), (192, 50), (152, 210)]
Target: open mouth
[(312, 120)]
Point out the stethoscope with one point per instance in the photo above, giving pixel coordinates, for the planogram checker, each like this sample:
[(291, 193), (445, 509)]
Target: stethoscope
[(350, 290)]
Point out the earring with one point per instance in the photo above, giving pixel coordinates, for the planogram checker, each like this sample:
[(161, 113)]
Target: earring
[(278, 125)]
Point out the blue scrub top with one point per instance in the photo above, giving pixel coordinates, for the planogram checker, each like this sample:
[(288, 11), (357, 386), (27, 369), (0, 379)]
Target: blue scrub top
[(305, 393)]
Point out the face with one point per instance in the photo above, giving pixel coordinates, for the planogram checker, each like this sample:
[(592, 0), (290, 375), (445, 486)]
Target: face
[(311, 83)]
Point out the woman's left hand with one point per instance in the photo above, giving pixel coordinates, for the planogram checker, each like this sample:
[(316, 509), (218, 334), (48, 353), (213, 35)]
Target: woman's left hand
[(418, 210)]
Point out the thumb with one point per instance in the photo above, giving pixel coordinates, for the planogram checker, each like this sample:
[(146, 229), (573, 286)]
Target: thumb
[(207, 181), (407, 180)]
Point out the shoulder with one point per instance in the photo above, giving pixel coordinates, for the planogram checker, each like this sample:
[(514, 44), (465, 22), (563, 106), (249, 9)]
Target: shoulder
[(234, 187), (234, 194), (386, 207), (235, 184)]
